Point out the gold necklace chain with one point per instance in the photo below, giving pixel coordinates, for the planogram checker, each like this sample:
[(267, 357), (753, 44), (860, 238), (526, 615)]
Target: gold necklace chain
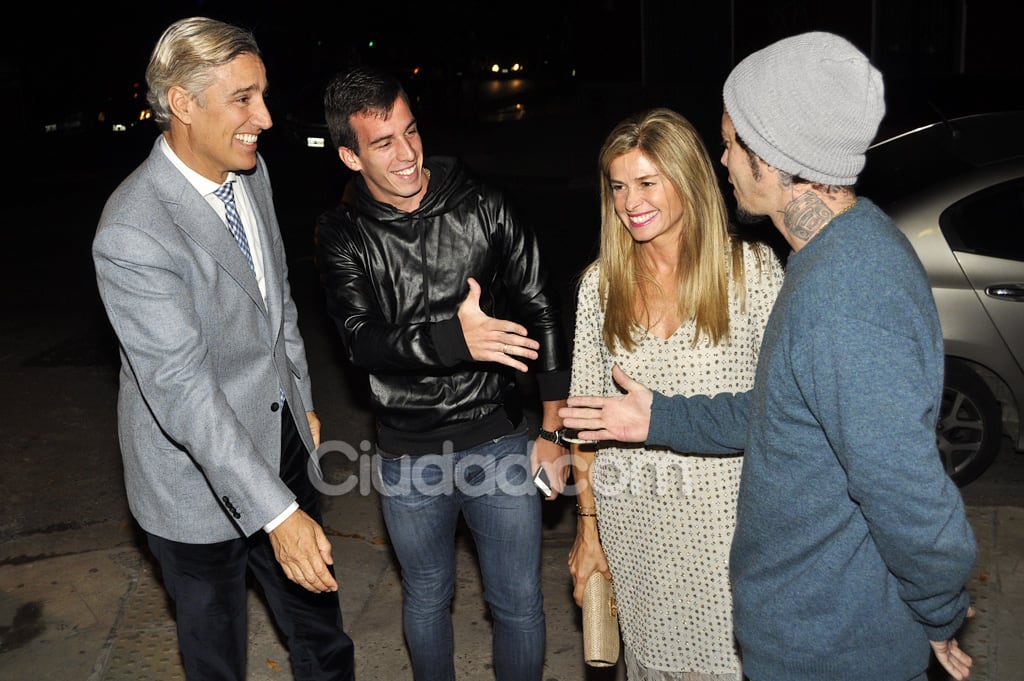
[(831, 219), (850, 207)]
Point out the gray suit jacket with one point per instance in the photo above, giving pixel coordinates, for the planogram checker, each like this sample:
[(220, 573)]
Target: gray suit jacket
[(202, 356)]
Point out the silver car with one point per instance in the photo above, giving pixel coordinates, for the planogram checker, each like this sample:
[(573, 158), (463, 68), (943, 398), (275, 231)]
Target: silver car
[(956, 189)]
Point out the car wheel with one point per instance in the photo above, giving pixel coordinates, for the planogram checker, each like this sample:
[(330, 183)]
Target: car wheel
[(970, 424)]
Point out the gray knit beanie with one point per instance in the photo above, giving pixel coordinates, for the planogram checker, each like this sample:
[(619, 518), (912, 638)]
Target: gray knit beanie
[(809, 105)]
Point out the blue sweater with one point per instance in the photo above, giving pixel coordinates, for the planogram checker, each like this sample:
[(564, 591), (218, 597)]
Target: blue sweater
[(852, 547)]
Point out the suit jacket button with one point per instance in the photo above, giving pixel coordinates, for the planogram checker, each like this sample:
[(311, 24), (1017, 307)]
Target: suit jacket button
[(275, 406)]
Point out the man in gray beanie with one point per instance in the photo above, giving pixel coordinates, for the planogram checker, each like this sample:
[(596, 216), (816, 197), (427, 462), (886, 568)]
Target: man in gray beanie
[(852, 547)]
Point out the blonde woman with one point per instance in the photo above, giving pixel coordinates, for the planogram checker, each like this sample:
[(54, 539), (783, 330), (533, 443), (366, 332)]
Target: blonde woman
[(680, 304)]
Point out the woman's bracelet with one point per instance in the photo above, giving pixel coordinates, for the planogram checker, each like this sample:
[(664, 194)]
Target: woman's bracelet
[(586, 511)]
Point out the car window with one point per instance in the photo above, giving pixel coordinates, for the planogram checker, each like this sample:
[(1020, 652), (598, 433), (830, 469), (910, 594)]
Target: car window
[(989, 222)]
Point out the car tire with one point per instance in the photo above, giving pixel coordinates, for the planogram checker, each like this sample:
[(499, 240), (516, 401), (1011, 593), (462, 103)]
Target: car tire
[(970, 424)]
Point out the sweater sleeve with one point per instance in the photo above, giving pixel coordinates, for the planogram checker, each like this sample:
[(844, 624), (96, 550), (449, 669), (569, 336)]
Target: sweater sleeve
[(709, 425)]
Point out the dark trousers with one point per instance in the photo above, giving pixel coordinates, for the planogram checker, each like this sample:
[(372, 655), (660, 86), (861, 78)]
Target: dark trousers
[(207, 583)]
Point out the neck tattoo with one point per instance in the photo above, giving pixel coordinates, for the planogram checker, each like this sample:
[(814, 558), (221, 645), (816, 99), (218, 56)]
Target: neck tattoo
[(808, 215)]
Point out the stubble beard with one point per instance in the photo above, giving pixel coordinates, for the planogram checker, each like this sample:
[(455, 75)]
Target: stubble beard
[(744, 216)]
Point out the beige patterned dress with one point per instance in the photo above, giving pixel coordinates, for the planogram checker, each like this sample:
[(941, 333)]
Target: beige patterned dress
[(666, 519)]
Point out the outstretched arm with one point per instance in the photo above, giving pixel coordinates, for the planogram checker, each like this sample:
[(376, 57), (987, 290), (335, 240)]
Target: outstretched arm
[(493, 340), (622, 418), (699, 423)]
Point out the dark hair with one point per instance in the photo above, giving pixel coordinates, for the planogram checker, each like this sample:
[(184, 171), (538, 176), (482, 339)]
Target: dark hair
[(362, 89), (752, 157), (786, 178)]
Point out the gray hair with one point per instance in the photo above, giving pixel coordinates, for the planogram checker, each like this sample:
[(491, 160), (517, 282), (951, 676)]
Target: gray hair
[(186, 55)]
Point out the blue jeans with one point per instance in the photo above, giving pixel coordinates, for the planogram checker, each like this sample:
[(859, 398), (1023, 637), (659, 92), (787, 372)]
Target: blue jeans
[(490, 484)]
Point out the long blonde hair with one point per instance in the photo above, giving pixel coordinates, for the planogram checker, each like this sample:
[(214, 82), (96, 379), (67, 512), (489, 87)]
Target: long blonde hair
[(669, 141)]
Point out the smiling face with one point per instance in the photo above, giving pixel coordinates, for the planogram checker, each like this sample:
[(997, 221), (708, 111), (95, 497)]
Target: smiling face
[(390, 156), (217, 133), (645, 201)]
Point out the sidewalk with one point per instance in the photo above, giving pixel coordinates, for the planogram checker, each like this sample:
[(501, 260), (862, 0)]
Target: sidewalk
[(103, 616)]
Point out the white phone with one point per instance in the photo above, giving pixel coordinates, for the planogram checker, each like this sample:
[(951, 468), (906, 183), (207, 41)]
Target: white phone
[(542, 481)]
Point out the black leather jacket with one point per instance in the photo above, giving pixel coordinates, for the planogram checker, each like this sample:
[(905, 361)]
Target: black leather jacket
[(394, 282)]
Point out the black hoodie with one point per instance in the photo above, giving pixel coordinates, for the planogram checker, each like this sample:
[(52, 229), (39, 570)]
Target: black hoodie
[(394, 282)]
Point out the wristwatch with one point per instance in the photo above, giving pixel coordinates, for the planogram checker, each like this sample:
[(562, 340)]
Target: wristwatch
[(556, 436)]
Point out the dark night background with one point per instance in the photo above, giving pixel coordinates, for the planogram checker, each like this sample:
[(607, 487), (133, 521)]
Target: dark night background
[(959, 53), (66, 76)]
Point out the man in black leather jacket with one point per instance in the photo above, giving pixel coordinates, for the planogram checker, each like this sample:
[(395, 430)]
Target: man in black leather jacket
[(425, 269)]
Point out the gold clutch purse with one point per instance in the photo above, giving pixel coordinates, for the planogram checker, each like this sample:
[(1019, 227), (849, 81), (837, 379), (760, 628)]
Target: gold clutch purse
[(600, 623)]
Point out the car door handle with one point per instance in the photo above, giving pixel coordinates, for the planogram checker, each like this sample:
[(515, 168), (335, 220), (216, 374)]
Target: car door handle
[(1013, 292)]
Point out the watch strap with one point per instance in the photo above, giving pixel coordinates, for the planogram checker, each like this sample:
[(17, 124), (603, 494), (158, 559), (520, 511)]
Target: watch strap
[(556, 436)]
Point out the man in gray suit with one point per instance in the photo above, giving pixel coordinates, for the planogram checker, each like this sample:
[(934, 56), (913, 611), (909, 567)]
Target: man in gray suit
[(215, 408)]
